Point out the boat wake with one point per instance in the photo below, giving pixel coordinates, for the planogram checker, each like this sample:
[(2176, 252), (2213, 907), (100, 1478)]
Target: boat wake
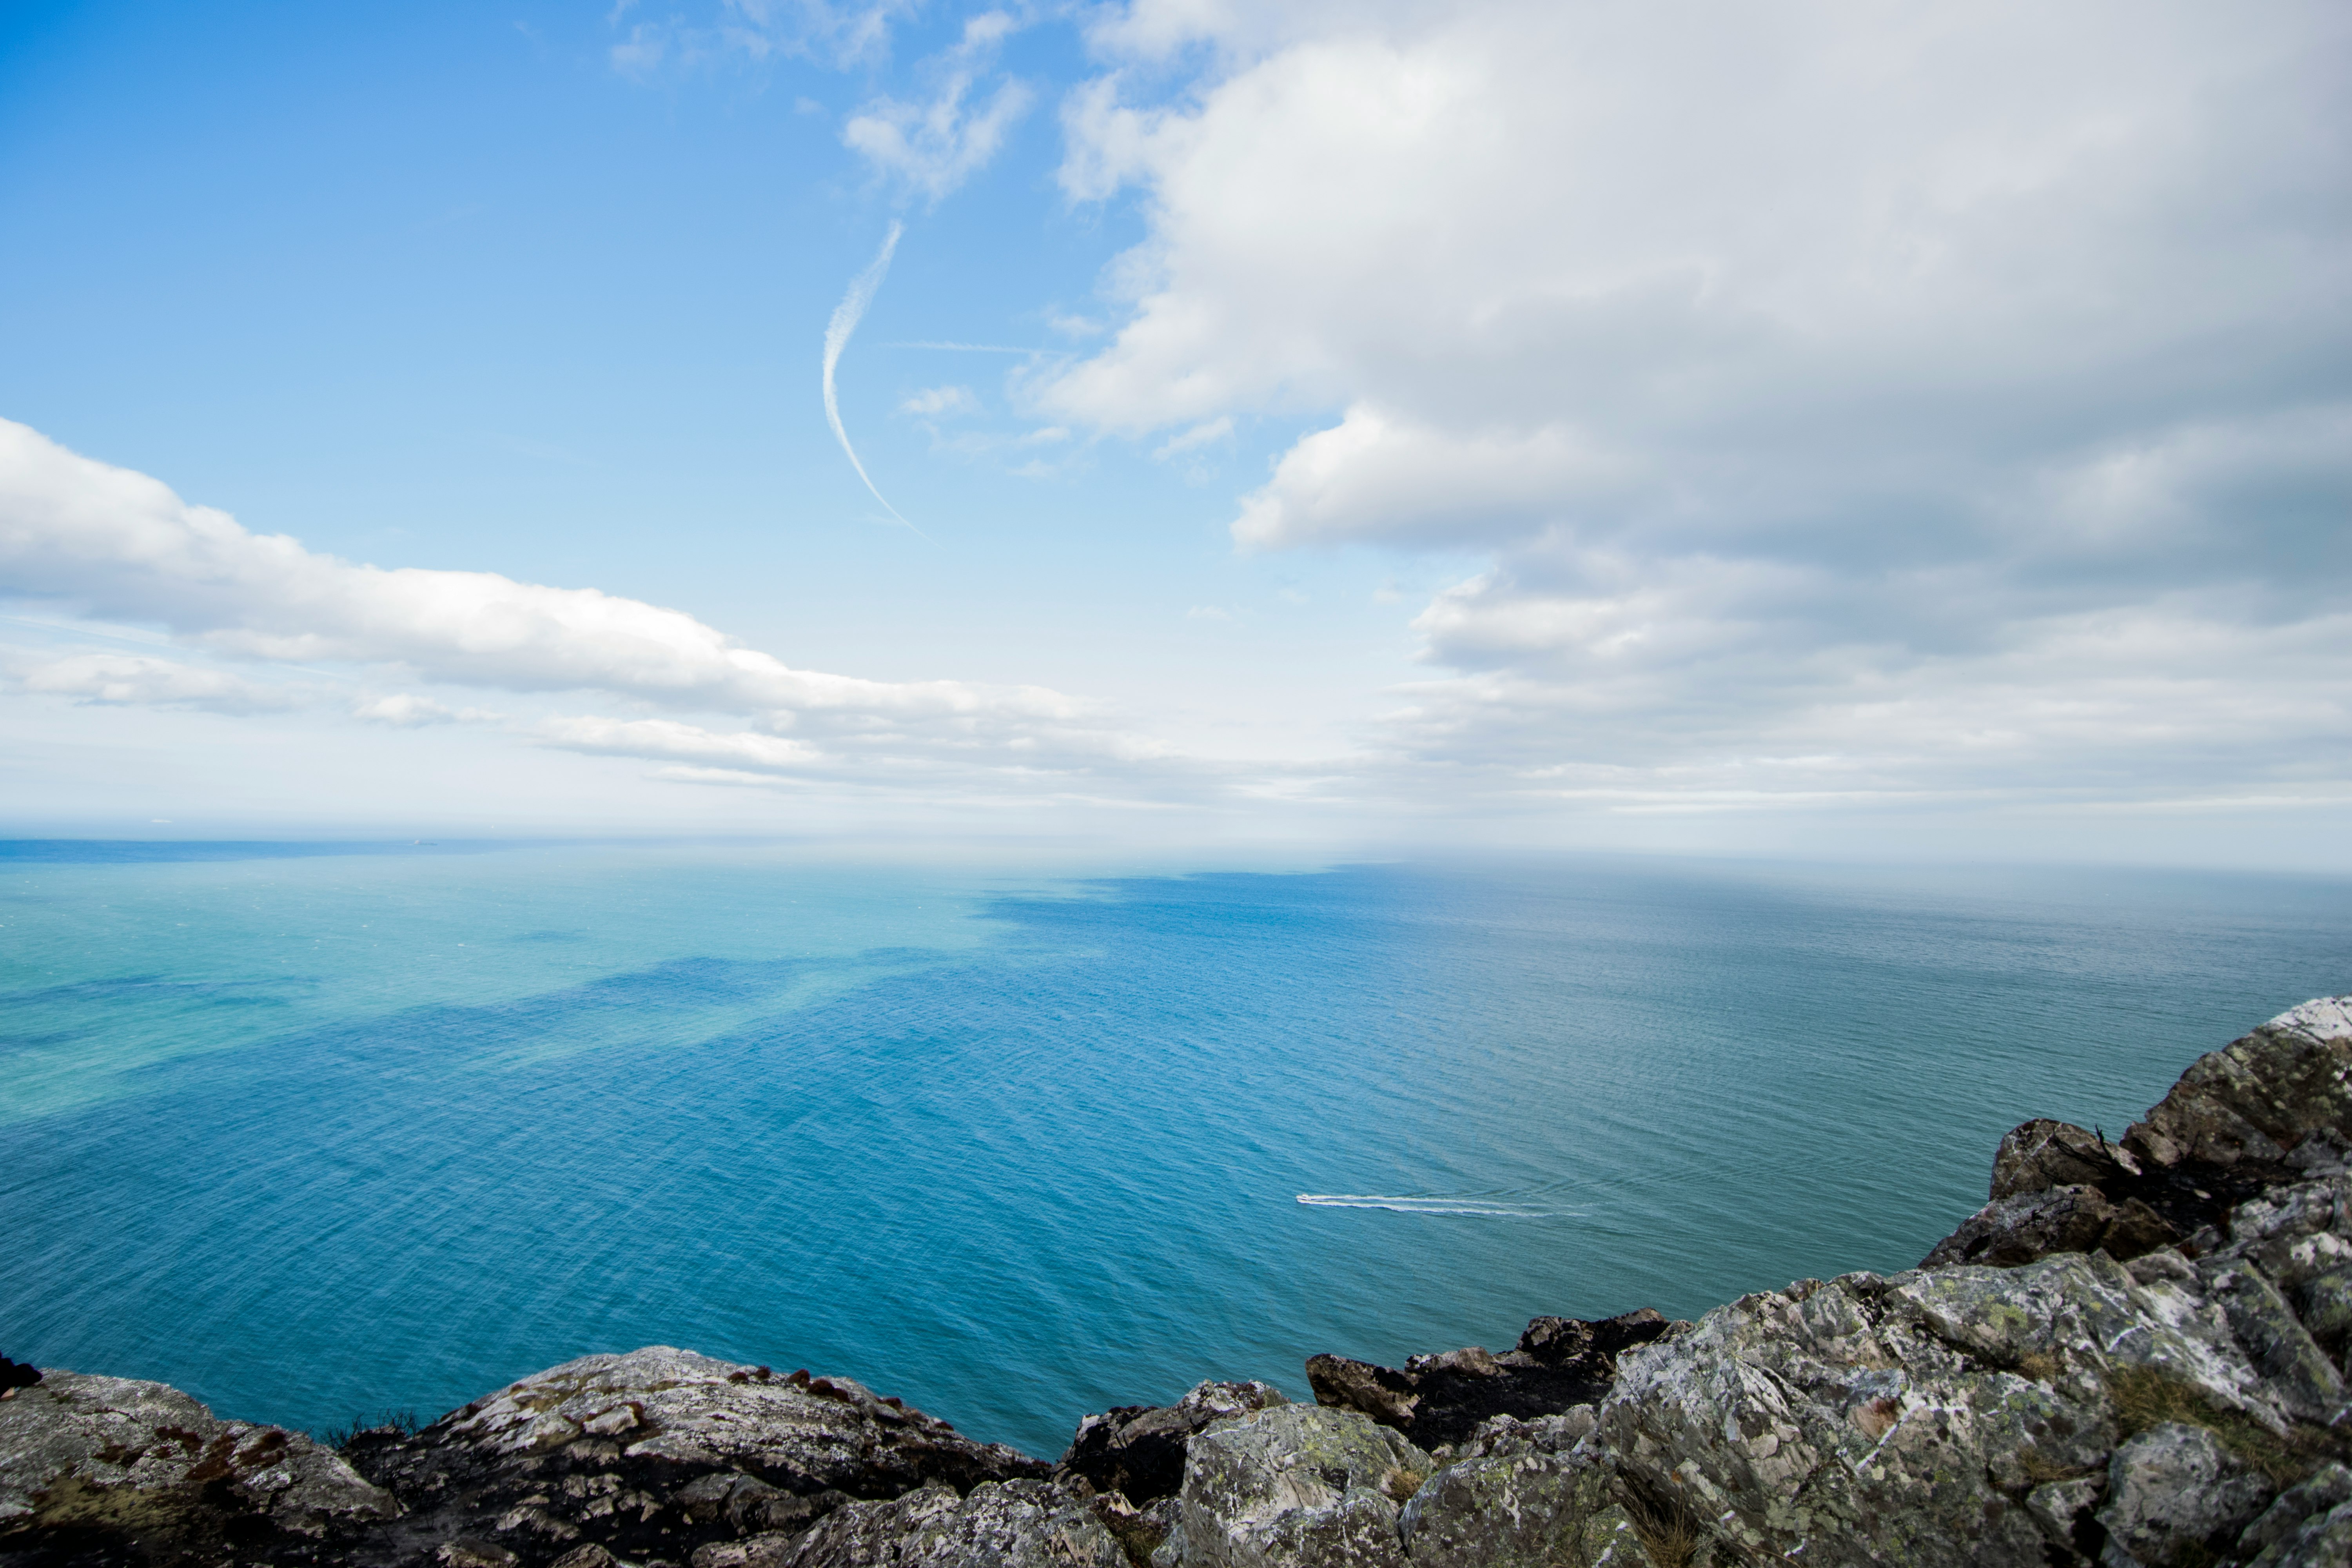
[(1485, 1209)]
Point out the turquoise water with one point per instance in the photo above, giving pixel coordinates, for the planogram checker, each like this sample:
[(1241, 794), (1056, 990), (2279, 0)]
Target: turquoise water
[(317, 1132)]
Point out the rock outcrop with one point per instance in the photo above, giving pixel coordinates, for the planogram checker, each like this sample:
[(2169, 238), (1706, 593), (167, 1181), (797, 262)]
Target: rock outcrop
[(658, 1454), (655, 1456), (2184, 1403), (1558, 1364), (2265, 1111), (1130, 1460), (91, 1465), (1007, 1525), (1520, 1494), (2139, 1354), (1138, 1450), (1295, 1484)]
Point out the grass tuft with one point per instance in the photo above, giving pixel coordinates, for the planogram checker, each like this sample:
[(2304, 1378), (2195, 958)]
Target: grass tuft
[(1669, 1531), (402, 1421), (2040, 1470), (2146, 1396)]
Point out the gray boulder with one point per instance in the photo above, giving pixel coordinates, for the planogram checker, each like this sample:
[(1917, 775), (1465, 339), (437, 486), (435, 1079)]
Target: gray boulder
[(107, 1459), (1299, 1486), (2025, 1225), (1008, 1524), (1520, 1495), (2298, 1510), (2065, 1407), (1943, 1418), (654, 1454), (2174, 1490), (2324, 1541)]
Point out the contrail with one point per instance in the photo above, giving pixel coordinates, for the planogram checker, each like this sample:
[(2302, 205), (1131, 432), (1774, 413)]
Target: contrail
[(845, 317)]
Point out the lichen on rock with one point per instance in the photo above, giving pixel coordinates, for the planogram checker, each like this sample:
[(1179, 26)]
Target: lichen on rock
[(98, 1458)]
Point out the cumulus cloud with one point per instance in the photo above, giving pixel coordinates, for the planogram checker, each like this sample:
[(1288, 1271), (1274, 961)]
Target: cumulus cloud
[(1376, 477), (1835, 392), (119, 546)]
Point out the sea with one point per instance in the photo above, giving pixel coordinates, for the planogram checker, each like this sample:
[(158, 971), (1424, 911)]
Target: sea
[(321, 1132)]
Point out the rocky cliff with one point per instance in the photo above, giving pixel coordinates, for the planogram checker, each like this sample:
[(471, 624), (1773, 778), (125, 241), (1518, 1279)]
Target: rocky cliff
[(2134, 1356)]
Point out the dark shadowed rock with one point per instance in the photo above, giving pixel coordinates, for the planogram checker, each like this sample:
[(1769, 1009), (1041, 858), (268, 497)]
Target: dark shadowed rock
[(2258, 1097), (1138, 1450), (2297, 1527), (1558, 1364), (2027, 1226), (107, 1469), (2041, 1154), (2261, 1112), (655, 1454)]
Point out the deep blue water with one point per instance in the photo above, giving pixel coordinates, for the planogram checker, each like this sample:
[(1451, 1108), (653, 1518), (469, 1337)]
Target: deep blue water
[(317, 1134)]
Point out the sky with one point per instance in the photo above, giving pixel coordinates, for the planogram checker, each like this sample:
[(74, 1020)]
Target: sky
[(1826, 428)]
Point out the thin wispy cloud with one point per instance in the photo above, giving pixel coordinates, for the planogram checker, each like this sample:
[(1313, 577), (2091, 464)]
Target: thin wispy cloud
[(970, 348), (845, 317), (936, 144)]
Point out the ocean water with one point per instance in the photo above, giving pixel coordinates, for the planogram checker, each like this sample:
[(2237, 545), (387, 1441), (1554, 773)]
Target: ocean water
[(320, 1132)]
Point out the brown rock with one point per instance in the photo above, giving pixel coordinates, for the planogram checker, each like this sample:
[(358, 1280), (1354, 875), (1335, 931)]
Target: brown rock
[(1384, 1394), (127, 1466), (1558, 1364), (2017, 1230), (2261, 1095), (2041, 1154)]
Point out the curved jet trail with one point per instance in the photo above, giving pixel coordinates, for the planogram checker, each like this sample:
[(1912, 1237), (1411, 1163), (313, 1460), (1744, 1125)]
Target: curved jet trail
[(845, 317)]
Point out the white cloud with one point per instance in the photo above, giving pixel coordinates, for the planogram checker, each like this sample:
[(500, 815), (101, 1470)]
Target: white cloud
[(117, 544), (1944, 398), (935, 146), (1208, 433), (756, 30), (941, 402), (407, 710), (667, 738), (135, 680), (1376, 477)]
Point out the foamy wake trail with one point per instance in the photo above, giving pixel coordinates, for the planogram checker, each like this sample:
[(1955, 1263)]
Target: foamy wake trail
[(1484, 1207)]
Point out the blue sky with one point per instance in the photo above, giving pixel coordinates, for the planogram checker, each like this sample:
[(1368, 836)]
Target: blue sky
[(1774, 428)]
